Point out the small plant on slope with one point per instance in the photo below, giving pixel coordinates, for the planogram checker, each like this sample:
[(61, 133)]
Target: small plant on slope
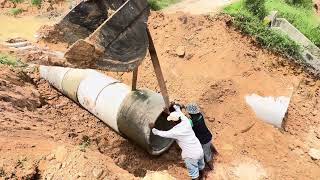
[(36, 2), (256, 7), (15, 11)]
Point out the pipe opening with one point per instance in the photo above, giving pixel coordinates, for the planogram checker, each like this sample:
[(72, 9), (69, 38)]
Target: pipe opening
[(158, 143)]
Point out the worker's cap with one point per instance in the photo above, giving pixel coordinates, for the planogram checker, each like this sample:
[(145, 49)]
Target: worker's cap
[(174, 116), (193, 108)]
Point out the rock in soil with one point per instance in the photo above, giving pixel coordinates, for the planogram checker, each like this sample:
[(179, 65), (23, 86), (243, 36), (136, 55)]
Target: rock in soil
[(158, 175), (97, 172), (314, 154), (180, 51), (50, 157)]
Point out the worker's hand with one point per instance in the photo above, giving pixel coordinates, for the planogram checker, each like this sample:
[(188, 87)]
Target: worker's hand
[(177, 104), (180, 105), (172, 103), (174, 116), (177, 108), (151, 125), (154, 131)]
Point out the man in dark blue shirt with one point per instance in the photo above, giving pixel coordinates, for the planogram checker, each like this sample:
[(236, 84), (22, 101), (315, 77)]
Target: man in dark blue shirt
[(202, 132)]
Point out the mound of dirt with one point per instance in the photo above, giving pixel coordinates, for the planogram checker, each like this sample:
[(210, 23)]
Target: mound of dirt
[(18, 91), (219, 91), (6, 4), (29, 158), (77, 164), (50, 34)]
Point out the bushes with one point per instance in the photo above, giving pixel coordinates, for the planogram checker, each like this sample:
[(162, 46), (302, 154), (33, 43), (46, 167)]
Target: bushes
[(8, 60), (154, 5), (303, 3), (304, 19), (36, 2), (256, 7), (267, 38), (16, 1), (160, 4)]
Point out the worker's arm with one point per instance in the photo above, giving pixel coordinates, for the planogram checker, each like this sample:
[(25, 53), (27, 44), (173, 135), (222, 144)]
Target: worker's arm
[(166, 134)]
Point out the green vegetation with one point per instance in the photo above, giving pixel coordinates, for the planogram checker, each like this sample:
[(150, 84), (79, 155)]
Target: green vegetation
[(160, 4), (267, 38), (16, 1), (36, 2), (9, 60), (304, 3), (303, 18), (256, 7), (301, 15), (16, 11)]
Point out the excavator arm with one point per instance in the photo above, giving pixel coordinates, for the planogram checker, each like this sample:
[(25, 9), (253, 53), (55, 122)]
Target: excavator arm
[(110, 35)]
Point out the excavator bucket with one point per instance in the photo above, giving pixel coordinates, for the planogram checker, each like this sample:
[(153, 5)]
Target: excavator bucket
[(106, 34)]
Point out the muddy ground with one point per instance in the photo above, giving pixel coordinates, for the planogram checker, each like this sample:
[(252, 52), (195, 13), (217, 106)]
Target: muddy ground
[(46, 135)]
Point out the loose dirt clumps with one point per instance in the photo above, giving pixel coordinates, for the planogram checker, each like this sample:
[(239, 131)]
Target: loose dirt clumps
[(77, 164), (6, 4), (220, 67), (219, 91), (17, 91), (50, 34)]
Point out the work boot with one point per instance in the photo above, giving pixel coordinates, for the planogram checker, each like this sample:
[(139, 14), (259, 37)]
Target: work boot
[(210, 165), (201, 174), (214, 150)]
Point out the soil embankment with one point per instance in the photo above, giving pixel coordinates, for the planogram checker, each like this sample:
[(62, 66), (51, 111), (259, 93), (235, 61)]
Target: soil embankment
[(203, 61)]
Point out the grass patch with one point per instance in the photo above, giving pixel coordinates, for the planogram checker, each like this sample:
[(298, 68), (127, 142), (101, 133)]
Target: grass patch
[(16, 1), (160, 4), (256, 7), (253, 26), (36, 2), (16, 11), (304, 3), (301, 16), (9, 60)]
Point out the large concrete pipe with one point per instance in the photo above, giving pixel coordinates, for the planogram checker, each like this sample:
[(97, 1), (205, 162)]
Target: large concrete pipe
[(127, 112), (138, 110)]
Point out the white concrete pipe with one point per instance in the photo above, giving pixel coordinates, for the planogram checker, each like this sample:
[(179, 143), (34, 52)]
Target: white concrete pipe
[(91, 91), (54, 75), (128, 113)]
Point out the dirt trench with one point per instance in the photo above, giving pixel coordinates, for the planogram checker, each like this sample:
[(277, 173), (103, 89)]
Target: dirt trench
[(203, 61)]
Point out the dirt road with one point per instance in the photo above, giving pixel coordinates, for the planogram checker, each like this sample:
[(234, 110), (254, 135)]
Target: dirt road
[(197, 6)]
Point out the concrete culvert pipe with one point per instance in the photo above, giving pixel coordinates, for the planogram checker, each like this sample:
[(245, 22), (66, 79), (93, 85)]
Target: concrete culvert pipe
[(127, 112), (138, 110)]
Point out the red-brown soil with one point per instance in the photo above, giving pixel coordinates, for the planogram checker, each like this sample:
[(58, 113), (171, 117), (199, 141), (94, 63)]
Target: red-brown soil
[(220, 67)]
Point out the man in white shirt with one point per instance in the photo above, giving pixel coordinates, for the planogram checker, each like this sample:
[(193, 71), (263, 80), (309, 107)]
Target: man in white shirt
[(182, 132)]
